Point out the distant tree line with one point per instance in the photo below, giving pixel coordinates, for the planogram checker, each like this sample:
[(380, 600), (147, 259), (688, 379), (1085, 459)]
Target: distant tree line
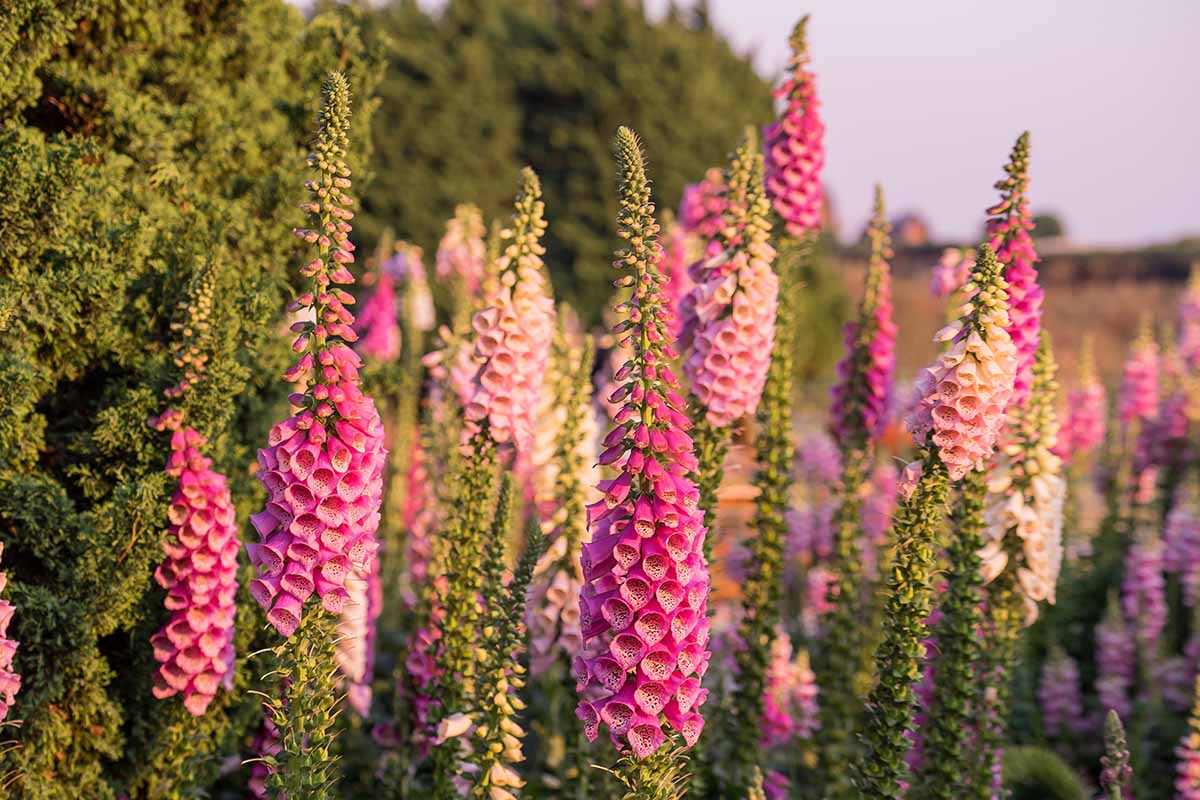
[(478, 88)]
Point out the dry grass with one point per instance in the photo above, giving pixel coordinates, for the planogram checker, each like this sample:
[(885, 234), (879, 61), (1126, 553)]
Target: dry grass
[(1110, 311)]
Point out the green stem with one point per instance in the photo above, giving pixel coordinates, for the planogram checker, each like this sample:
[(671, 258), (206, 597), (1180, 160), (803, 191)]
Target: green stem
[(306, 712), (841, 661), (956, 699), (881, 766)]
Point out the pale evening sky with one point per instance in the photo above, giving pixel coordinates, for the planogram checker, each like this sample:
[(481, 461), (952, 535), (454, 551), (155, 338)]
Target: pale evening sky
[(927, 97)]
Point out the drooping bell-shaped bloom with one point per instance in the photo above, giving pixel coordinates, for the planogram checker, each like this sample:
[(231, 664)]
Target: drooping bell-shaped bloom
[(10, 681), (195, 648), (1140, 381), (1060, 697), (512, 335), (729, 316), (462, 254), (1116, 660), (951, 272), (862, 393), (794, 146), (790, 699), (323, 466), (1187, 768), (1144, 591), (644, 602), (377, 325), (963, 396), (1009, 232), (702, 210), (1023, 516), (1083, 427)]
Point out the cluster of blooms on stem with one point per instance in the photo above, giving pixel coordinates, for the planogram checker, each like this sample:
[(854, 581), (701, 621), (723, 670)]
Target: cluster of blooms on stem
[(862, 394), (323, 466), (762, 701), (790, 700), (956, 423), (1082, 429), (794, 145), (1060, 697), (1024, 516), (462, 254), (408, 268), (377, 325), (643, 607), (1009, 228), (964, 394), (951, 271), (512, 335), (1144, 590), (702, 211), (729, 316), (1138, 403), (10, 681), (195, 648)]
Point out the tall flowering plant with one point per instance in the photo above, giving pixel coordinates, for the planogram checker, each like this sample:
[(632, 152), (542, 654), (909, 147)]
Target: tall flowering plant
[(643, 607), (512, 334), (729, 316), (860, 404), (794, 145), (956, 421), (1009, 232), (702, 211), (194, 649), (1026, 490), (322, 468), (862, 395), (1082, 429), (461, 253), (1022, 551), (510, 345), (754, 696)]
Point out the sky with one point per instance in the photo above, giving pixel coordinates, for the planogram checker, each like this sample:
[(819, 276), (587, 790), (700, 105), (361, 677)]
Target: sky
[(928, 96)]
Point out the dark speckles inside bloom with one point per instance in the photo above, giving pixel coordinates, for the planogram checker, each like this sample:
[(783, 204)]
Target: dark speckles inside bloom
[(322, 468), (643, 605)]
